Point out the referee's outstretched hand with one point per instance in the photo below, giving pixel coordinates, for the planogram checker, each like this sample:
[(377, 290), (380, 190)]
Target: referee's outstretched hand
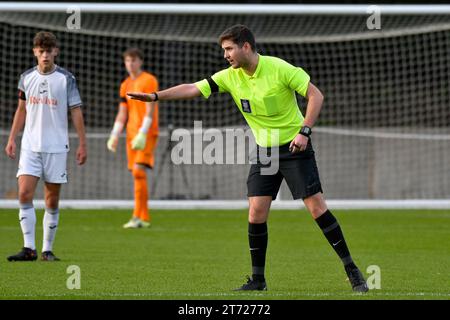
[(140, 96), (298, 144)]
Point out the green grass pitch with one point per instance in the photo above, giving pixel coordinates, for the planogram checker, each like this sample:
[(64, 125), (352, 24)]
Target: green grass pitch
[(203, 254)]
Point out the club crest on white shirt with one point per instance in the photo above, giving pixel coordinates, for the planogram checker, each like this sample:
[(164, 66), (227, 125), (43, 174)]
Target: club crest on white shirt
[(43, 87)]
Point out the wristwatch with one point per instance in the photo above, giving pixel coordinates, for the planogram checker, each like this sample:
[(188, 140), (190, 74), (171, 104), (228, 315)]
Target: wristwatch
[(305, 131)]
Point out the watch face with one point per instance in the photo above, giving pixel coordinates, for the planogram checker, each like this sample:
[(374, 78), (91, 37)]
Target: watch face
[(306, 130)]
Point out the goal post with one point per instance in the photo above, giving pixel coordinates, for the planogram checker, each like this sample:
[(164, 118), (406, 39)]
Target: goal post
[(382, 140)]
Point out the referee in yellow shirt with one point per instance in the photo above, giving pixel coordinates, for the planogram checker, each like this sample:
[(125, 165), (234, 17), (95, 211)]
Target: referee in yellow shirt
[(263, 89)]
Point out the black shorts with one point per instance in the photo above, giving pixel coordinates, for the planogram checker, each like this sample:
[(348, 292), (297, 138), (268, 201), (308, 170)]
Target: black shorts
[(299, 169)]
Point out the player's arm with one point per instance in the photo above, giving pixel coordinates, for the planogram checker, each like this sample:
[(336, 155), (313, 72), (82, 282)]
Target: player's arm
[(17, 126), (149, 109), (180, 92), (315, 101), (119, 123), (140, 140), (78, 123)]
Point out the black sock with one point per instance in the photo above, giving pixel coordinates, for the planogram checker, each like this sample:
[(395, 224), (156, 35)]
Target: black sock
[(332, 231), (257, 239)]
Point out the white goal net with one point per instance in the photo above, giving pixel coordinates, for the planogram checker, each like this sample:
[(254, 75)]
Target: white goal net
[(383, 133)]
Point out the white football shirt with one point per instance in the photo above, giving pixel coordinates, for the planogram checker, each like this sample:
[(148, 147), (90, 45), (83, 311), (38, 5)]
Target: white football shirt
[(48, 98)]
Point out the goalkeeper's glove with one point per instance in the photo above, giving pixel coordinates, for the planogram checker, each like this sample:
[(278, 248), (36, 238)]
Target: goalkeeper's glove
[(114, 137), (140, 140)]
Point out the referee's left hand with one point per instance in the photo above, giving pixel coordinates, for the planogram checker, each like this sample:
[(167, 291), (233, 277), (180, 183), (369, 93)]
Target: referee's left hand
[(298, 144)]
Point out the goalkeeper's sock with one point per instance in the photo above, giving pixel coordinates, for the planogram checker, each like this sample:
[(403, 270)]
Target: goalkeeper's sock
[(257, 239), (140, 194), (144, 215), (50, 224), (27, 218), (332, 231)]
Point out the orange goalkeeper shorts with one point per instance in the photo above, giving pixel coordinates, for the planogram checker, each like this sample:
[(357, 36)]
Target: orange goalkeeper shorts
[(146, 156)]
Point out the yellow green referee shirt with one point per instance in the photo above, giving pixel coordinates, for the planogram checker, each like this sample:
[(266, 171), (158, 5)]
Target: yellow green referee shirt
[(266, 99)]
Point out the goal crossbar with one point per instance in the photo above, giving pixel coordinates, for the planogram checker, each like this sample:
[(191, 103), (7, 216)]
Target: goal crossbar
[(272, 9)]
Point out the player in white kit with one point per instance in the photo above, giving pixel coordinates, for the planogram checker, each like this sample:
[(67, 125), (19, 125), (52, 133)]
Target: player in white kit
[(46, 93)]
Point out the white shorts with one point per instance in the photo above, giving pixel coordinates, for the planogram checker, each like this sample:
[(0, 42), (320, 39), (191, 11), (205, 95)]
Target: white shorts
[(51, 167)]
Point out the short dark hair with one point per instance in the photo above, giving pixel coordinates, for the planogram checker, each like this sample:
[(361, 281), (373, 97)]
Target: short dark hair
[(133, 53), (239, 34), (45, 40)]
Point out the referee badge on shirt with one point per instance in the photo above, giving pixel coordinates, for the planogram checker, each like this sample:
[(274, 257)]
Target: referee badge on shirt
[(246, 106)]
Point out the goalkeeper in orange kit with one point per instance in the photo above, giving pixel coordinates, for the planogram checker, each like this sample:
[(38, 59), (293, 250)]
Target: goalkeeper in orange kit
[(141, 120)]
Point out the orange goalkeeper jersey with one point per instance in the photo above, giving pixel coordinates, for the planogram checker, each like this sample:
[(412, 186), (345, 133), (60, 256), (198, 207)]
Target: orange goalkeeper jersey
[(147, 83)]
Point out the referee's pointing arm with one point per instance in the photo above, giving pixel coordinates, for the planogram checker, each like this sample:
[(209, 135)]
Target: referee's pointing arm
[(182, 91)]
